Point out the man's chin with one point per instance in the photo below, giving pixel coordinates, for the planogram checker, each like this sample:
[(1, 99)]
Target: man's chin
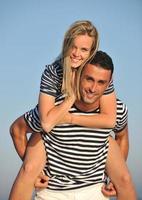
[(89, 101)]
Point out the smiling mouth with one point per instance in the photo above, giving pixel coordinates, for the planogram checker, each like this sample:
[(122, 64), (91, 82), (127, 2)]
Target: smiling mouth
[(75, 60), (91, 95)]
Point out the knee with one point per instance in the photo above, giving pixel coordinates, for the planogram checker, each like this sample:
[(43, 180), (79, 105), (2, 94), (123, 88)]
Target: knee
[(12, 130), (126, 179), (29, 169), (18, 128)]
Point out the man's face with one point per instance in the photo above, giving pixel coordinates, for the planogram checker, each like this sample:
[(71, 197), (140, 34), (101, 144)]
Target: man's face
[(94, 80)]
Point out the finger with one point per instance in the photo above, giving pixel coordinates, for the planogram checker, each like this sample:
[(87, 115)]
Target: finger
[(41, 185), (109, 186), (107, 192), (44, 177)]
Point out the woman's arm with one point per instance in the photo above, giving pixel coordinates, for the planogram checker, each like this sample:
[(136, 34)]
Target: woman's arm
[(106, 118), (50, 115)]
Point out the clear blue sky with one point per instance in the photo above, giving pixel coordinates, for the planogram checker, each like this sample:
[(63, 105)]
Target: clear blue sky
[(31, 34)]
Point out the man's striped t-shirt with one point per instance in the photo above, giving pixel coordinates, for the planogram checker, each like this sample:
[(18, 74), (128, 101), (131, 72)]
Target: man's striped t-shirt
[(76, 153)]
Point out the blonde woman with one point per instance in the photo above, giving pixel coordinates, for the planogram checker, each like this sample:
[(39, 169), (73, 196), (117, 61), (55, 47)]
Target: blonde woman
[(80, 44)]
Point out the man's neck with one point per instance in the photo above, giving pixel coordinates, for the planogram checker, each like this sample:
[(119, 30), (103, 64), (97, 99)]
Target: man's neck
[(86, 106)]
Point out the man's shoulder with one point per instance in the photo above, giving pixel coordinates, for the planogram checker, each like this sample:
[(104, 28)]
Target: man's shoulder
[(121, 106)]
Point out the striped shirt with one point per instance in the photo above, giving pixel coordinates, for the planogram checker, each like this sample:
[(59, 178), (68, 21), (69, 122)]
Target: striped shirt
[(51, 80), (77, 155)]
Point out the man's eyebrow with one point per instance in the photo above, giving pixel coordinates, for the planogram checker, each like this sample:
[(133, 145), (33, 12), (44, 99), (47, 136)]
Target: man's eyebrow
[(89, 76), (103, 81)]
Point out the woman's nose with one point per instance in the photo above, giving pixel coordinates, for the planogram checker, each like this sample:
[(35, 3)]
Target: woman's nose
[(76, 52)]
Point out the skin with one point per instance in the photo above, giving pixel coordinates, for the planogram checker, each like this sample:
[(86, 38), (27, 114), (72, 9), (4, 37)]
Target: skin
[(93, 87), (80, 50)]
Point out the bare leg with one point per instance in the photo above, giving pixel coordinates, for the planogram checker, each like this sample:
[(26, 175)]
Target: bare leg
[(18, 131), (32, 166), (118, 173)]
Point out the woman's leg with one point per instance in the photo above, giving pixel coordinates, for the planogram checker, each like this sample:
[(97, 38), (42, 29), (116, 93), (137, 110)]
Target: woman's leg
[(32, 166), (19, 131), (118, 172)]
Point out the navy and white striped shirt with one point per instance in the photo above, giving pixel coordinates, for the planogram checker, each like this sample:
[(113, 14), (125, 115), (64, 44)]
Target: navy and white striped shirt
[(76, 155)]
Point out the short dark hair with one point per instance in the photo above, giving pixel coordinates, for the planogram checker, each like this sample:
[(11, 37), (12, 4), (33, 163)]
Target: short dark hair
[(103, 60)]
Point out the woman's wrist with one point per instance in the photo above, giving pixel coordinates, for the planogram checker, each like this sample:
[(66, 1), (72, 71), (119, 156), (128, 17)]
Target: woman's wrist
[(71, 118)]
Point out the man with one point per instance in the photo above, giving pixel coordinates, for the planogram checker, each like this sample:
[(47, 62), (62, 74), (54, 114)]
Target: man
[(77, 155)]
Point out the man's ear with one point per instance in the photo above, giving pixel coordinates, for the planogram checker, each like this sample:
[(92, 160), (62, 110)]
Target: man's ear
[(110, 81), (111, 78)]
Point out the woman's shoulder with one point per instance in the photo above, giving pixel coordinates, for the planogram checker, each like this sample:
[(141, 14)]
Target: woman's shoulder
[(54, 69), (56, 65)]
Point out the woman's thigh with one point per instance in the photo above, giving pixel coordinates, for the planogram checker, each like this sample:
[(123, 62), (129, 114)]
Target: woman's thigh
[(35, 155), (115, 166)]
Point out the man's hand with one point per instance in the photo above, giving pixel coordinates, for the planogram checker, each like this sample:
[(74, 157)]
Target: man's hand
[(41, 181), (109, 190)]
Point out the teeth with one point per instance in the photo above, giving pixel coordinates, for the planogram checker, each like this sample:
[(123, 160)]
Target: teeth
[(90, 95), (75, 60)]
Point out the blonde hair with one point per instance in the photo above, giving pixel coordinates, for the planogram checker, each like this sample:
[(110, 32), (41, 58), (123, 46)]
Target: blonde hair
[(78, 28)]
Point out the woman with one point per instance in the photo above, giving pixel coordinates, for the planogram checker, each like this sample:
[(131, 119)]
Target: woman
[(80, 44)]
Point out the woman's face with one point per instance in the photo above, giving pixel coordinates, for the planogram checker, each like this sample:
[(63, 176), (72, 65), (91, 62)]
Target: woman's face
[(80, 50)]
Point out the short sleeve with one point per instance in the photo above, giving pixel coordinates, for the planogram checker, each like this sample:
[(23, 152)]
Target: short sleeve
[(32, 119), (51, 79), (122, 117)]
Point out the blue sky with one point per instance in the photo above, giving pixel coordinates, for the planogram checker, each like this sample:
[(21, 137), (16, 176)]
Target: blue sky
[(31, 34)]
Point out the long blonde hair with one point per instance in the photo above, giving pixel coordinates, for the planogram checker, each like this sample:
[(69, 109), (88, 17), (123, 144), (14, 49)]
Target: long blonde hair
[(82, 27)]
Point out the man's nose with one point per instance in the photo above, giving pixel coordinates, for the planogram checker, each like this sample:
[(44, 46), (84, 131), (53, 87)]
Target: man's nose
[(94, 87)]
